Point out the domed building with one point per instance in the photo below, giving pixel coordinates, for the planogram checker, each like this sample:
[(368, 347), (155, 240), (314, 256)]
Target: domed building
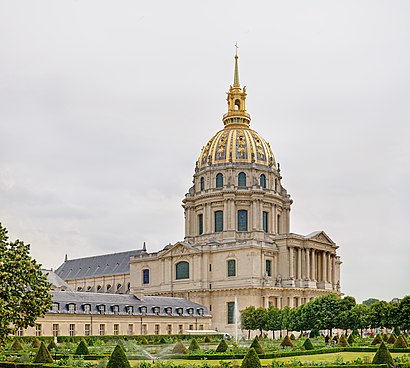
[(238, 249)]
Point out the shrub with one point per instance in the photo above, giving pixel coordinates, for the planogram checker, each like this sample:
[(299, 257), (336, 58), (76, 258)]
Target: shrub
[(350, 339), (144, 341), (327, 339), (207, 339), (400, 343), (307, 345), (377, 340), (335, 339), (392, 339), (162, 340), (251, 360), (36, 343), (383, 356), (118, 359), (52, 346), (343, 341), (292, 337), (385, 337), (356, 332), (43, 355), (258, 348), (222, 347), (194, 345), (82, 348), (16, 345), (286, 342), (179, 348), (397, 331)]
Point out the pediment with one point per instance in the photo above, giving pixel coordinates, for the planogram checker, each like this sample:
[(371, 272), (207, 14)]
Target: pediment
[(179, 249), (320, 236)]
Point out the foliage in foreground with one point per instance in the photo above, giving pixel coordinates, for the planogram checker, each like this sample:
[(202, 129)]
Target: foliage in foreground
[(118, 359), (383, 356)]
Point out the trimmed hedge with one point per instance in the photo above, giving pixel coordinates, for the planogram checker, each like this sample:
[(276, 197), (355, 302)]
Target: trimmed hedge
[(377, 340), (179, 348), (118, 359), (82, 349), (307, 345), (383, 356), (258, 348), (194, 345), (222, 347), (251, 359), (392, 339), (286, 342), (400, 343), (17, 346), (43, 355)]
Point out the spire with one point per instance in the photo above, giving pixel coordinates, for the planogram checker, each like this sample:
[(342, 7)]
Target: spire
[(144, 247), (236, 72)]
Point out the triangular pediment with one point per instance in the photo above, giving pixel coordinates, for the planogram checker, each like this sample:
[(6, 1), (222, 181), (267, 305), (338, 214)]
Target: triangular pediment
[(320, 236), (179, 249)]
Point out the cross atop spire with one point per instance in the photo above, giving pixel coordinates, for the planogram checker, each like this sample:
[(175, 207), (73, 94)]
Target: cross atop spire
[(236, 72)]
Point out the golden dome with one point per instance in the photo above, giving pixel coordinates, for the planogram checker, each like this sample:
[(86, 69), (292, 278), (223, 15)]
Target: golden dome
[(236, 143)]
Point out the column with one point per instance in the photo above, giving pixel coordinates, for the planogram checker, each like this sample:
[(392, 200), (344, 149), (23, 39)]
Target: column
[(334, 270), (226, 206), (291, 272), (299, 264), (313, 267), (233, 215), (254, 215), (307, 263), (329, 265), (273, 220), (323, 266)]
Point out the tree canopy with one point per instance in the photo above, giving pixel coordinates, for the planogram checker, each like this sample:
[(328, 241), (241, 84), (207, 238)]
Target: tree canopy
[(24, 289)]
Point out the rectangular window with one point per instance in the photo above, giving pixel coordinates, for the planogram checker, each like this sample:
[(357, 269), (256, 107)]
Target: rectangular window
[(231, 265), (54, 307), (156, 329), (87, 329), (278, 224), (200, 224), (219, 221), (145, 277), (231, 311), (101, 309), (169, 329), (38, 329), (242, 220), (180, 329), (265, 217), (210, 267), (87, 308), (191, 327), (268, 267), (144, 330), (130, 329), (20, 331), (116, 329), (201, 327), (72, 329), (71, 308), (102, 329), (56, 329)]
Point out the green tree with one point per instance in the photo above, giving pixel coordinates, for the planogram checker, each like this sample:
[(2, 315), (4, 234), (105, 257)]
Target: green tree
[(403, 313), (378, 314), (286, 318), (24, 289), (273, 320), (370, 301), (358, 318), (118, 359), (253, 319)]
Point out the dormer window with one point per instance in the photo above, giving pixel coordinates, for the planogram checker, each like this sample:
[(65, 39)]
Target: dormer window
[(190, 311), (143, 309), (55, 307), (180, 311), (71, 308), (168, 310), (101, 309), (130, 309), (155, 310), (115, 309), (200, 311), (87, 308)]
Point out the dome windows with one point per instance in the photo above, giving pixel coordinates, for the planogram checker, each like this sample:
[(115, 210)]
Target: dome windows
[(200, 224), (242, 220), (182, 270), (219, 221), (202, 184), (219, 180), (262, 181), (241, 179)]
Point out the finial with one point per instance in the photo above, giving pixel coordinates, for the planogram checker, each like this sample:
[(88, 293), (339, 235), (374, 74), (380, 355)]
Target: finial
[(66, 258), (144, 247), (236, 72)]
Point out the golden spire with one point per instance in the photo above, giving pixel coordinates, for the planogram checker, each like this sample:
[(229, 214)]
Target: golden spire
[(236, 72)]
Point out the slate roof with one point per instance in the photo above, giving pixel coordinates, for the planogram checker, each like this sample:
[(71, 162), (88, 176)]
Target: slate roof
[(56, 281), (64, 298), (107, 264)]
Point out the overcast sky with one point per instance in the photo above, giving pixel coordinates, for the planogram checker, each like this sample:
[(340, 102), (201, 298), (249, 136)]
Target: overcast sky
[(105, 105)]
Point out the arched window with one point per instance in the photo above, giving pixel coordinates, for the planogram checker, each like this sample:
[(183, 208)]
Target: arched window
[(263, 181), (237, 104), (242, 179), (219, 180), (200, 224), (219, 221), (182, 270), (242, 220), (231, 267), (278, 224), (119, 286), (202, 186), (98, 287), (108, 287), (145, 276), (265, 221)]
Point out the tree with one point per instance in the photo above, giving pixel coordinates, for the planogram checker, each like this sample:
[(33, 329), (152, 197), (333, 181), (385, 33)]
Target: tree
[(370, 301), (359, 318), (403, 313), (253, 319), (118, 359), (273, 320), (378, 316), (24, 289)]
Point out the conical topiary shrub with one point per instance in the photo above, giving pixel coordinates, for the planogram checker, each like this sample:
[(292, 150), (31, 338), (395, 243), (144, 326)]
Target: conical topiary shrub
[(36, 343), (383, 356), (257, 346), (118, 359), (194, 345), (343, 341), (385, 337), (335, 339), (400, 343), (52, 346), (222, 347), (350, 339), (307, 345), (392, 339), (16, 346), (377, 340), (179, 348), (397, 331), (207, 339), (144, 340), (82, 348), (43, 355), (356, 332), (251, 360), (292, 337), (162, 340), (286, 342)]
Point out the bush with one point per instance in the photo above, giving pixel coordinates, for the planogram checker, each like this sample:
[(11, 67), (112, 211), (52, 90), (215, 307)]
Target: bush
[(385, 337), (286, 342), (251, 360), (82, 348), (162, 340), (292, 337), (314, 333), (36, 343), (356, 332), (343, 341), (377, 340), (52, 346), (397, 331), (118, 359), (400, 343), (43, 355), (335, 339), (307, 345), (16, 345), (350, 339), (392, 339), (207, 339), (144, 341), (222, 347), (258, 348), (383, 356), (179, 348), (194, 345), (327, 339)]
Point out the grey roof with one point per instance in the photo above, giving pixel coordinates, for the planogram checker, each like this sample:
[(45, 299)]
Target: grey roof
[(123, 301), (56, 281), (107, 264)]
